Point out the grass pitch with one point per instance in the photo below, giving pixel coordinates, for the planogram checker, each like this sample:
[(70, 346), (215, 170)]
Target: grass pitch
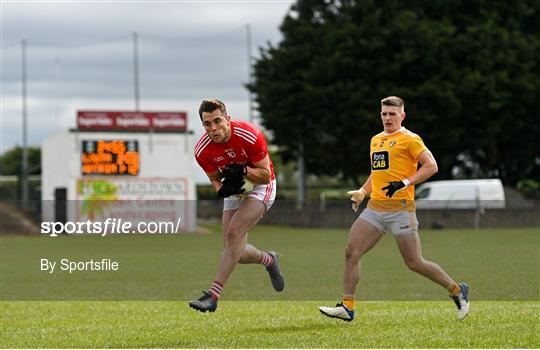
[(242, 324), (501, 266)]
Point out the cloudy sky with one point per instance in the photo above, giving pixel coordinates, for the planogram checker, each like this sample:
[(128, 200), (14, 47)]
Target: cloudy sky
[(80, 56)]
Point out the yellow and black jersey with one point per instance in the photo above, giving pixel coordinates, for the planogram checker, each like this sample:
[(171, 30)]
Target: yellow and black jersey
[(394, 157)]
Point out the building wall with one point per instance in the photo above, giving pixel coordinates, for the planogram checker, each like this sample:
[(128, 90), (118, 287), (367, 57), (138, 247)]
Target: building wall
[(166, 156)]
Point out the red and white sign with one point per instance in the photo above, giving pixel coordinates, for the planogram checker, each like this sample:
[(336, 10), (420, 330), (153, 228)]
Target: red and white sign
[(129, 120)]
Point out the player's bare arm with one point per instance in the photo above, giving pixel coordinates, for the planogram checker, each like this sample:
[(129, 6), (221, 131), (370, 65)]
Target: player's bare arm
[(428, 168), (357, 196), (215, 179), (367, 185), (260, 172)]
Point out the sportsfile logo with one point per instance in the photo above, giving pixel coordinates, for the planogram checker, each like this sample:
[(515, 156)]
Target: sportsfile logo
[(109, 226)]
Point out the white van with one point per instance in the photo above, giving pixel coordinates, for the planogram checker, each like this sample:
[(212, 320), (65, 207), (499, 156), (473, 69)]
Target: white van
[(460, 194)]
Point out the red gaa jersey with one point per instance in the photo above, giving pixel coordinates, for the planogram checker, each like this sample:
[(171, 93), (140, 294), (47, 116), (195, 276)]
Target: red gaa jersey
[(247, 145)]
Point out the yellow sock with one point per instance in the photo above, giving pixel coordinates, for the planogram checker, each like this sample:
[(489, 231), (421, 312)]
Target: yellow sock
[(348, 301), (454, 289)]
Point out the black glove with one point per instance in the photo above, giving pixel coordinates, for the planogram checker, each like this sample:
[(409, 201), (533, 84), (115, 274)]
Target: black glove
[(232, 180), (230, 189), (233, 174), (393, 187)]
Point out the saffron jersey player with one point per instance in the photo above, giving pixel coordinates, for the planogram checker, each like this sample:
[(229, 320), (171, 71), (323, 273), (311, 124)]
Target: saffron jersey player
[(395, 154), (231, 152)]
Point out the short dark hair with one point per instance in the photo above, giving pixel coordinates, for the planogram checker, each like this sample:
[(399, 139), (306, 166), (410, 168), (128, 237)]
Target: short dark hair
[(393, 101), (211, 105)]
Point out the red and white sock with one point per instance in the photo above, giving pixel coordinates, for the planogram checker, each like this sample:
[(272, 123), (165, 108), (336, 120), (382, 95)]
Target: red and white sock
[(266, 259), (215, 290)]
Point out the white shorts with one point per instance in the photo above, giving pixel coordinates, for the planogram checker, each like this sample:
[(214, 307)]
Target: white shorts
[(396, 222), (265, 193)]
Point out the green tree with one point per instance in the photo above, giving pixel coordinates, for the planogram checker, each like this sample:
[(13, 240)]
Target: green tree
[(11, 161), (467, 70), (284, 71)]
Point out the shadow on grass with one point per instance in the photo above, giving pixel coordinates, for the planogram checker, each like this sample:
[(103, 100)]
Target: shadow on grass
[(309, 326)]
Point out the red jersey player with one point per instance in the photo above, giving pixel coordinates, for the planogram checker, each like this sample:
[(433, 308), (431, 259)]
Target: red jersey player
[(231, 152)]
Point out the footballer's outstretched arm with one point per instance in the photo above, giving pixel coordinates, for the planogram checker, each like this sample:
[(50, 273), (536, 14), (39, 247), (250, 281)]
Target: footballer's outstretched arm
[(427, 170), (367, 185), (357, 196), (259, 173)]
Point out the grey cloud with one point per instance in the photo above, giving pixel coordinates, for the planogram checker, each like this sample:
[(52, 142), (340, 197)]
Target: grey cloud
[(164, 68), (187, 51), (77, 22)]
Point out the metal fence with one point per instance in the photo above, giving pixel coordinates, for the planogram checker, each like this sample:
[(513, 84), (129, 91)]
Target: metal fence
[(338, 214)]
